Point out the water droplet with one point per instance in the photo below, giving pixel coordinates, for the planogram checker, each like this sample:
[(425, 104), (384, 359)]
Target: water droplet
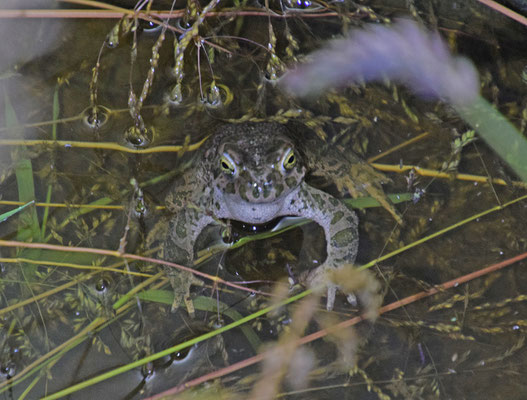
[(148, 370), (102, 285), (181, 355), (138, 137), (8, 369), (112, 39), (95, 117), (175, 96), (302, 5), (140, 208), (149, 26), (214, 97), (183, 24), (217, 96)]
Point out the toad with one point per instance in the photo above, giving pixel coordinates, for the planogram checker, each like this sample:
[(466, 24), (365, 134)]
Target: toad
[(254, 173)]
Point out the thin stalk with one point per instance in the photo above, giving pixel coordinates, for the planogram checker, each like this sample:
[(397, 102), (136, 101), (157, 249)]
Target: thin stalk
[(442, 231), (444, 175), (173, 349), (344, 324), (505, 11), (67, 144), (97, 323), (114, 253)]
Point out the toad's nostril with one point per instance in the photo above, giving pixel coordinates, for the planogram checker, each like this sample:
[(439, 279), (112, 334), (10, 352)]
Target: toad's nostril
[(256, 191), (267, 189)]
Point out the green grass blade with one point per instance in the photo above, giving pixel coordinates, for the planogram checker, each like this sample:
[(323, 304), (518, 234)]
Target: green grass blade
[(29, 227), (181, 346), (498, 132), (204, 304), (46, 212), (369, 202), (8, 214)]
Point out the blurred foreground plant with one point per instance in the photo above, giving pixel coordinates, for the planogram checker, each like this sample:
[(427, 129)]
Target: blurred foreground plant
[(406, 53)]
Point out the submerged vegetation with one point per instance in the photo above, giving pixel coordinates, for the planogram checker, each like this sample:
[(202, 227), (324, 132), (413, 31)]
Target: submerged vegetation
[(91, 141)]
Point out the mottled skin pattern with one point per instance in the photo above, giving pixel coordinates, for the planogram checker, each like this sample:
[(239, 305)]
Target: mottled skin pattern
[(254, 172)]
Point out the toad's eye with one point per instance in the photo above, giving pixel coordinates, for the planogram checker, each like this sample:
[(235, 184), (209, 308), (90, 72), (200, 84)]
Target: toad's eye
[(227, 165), (289, 160)]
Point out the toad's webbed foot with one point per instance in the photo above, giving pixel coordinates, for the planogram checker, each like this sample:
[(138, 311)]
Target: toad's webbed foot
[(181, 281), (356, 284)]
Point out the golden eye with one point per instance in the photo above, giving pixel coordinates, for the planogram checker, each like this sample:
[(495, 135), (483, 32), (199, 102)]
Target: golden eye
[(289, 159), (227, 165)]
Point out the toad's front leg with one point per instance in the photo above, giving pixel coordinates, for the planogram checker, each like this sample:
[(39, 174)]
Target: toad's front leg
[(183, 231), (340, 226)]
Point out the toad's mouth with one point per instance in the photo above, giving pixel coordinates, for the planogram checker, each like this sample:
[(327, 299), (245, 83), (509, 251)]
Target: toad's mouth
[(251, 228), (254, 213), (240, 229)]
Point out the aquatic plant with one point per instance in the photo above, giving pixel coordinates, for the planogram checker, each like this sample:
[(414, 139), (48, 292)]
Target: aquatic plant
[(88, 232)]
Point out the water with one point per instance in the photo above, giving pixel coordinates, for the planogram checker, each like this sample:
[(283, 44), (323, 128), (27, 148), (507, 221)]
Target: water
[(464, 343)]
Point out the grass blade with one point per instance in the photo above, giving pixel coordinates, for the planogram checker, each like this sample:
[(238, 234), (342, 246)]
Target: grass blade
[(8, 214), (29, 227), (498, 132), (204, 304)]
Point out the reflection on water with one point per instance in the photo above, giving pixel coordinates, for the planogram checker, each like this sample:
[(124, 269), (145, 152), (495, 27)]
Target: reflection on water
[(453, 345)]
